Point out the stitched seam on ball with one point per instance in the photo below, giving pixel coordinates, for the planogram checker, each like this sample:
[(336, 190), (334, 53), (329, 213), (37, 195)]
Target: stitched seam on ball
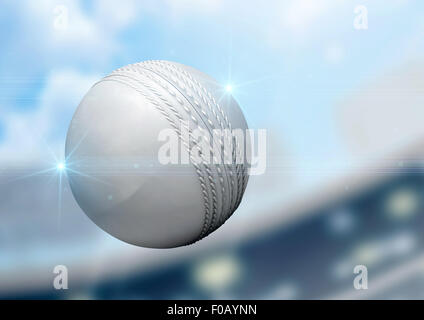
[(175, 127), (216, 219), (207, 99), (158, 69), (124, 72), (215, 214), (207, 95), (198, 171), (147, 74), (135, 68)]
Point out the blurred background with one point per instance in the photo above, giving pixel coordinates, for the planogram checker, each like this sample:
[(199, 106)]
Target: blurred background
[(339, 86)]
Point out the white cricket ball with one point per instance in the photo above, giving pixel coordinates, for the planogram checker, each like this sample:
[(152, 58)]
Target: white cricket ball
[(113, 149)]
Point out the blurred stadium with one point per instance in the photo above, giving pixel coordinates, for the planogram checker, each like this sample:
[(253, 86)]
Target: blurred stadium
[(344, 184)]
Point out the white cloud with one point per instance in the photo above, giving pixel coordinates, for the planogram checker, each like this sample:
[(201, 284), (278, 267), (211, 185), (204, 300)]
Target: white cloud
[(28, 136), (115, 16), (80, 37), (183, 7), (304, 22), (58, 33), (386, 113), (298, 16)]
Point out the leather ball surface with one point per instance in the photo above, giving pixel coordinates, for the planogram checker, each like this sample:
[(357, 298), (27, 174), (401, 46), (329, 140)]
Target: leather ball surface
[(112, 149)]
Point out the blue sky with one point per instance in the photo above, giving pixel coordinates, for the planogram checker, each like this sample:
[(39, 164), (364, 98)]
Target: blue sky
[(327, 93), (292, 63)]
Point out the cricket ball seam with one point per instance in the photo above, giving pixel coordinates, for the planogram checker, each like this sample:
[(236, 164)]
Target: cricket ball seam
[(241, 181), (197, 89), (217, 218), (214, 221), (226, 206), (175, 127), (138, 72)]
